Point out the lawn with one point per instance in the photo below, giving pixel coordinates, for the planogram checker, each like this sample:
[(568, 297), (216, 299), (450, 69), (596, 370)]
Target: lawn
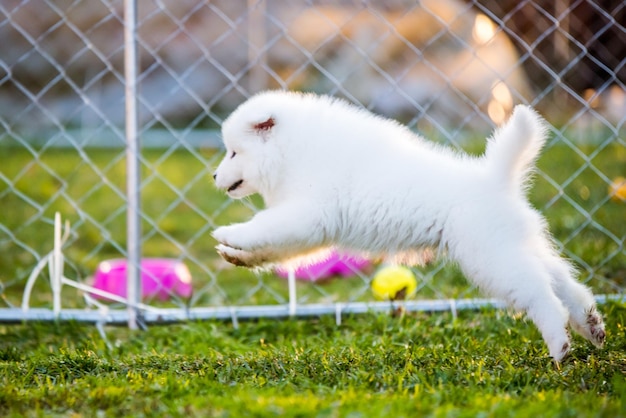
[(486, 363)]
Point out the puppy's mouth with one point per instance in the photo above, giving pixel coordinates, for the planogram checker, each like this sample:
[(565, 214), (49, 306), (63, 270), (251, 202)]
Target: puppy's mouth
[(235, 185)]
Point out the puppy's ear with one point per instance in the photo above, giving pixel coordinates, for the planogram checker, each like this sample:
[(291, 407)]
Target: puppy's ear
[(264, 126)]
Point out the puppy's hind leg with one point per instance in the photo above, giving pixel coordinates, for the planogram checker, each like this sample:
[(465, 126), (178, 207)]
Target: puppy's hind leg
[(578, 299), (532, 293), (526, 286), (550, 316)]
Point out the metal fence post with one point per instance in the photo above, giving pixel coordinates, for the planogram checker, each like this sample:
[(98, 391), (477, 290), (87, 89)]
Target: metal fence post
[(133, 226)]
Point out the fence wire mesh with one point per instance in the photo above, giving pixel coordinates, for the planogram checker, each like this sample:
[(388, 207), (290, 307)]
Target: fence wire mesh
[(450, 69)]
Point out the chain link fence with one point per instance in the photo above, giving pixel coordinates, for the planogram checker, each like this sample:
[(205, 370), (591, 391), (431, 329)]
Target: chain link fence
[(451, 69)]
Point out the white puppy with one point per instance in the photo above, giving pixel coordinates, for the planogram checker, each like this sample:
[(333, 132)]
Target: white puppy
[(334, 175)]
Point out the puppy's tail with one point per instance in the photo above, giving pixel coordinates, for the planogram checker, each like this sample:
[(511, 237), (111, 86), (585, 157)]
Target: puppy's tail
[(513, 149)]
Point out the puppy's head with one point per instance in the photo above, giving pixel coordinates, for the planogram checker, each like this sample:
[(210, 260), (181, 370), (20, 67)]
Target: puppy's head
[(249, 136)]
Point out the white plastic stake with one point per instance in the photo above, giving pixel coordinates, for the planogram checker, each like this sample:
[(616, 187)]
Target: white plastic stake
[(56, 266), (291, 279)]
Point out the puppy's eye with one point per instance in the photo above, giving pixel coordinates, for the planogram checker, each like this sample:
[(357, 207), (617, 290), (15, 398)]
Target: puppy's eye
[(232, 155)]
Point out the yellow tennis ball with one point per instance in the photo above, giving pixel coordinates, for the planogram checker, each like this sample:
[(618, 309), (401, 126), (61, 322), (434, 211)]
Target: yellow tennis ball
[(393, 283), (617, 189)]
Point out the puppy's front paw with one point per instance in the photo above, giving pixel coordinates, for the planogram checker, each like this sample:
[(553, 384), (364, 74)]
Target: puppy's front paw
[(236, 256), (230, 236)]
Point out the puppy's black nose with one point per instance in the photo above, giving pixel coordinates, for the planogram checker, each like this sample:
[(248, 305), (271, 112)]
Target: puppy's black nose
[(214, 176)]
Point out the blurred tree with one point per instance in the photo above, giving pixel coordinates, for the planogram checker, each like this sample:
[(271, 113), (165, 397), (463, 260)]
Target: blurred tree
[(581, 42)]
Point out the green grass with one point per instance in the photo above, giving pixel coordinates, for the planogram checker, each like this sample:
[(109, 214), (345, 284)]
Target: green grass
[(374, 365)]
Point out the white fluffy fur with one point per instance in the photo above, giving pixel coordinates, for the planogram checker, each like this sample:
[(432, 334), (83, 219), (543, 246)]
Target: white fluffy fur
[(333, 175)]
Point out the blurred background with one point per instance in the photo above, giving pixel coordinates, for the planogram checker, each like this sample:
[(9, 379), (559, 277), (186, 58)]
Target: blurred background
[(450, 69), (453, 60)]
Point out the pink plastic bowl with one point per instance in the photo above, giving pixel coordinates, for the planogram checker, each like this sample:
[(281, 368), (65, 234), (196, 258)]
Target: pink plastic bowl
[(335, 265), (160, 277)]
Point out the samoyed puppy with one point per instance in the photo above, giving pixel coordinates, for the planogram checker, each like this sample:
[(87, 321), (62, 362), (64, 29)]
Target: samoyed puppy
[(336, 176)]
